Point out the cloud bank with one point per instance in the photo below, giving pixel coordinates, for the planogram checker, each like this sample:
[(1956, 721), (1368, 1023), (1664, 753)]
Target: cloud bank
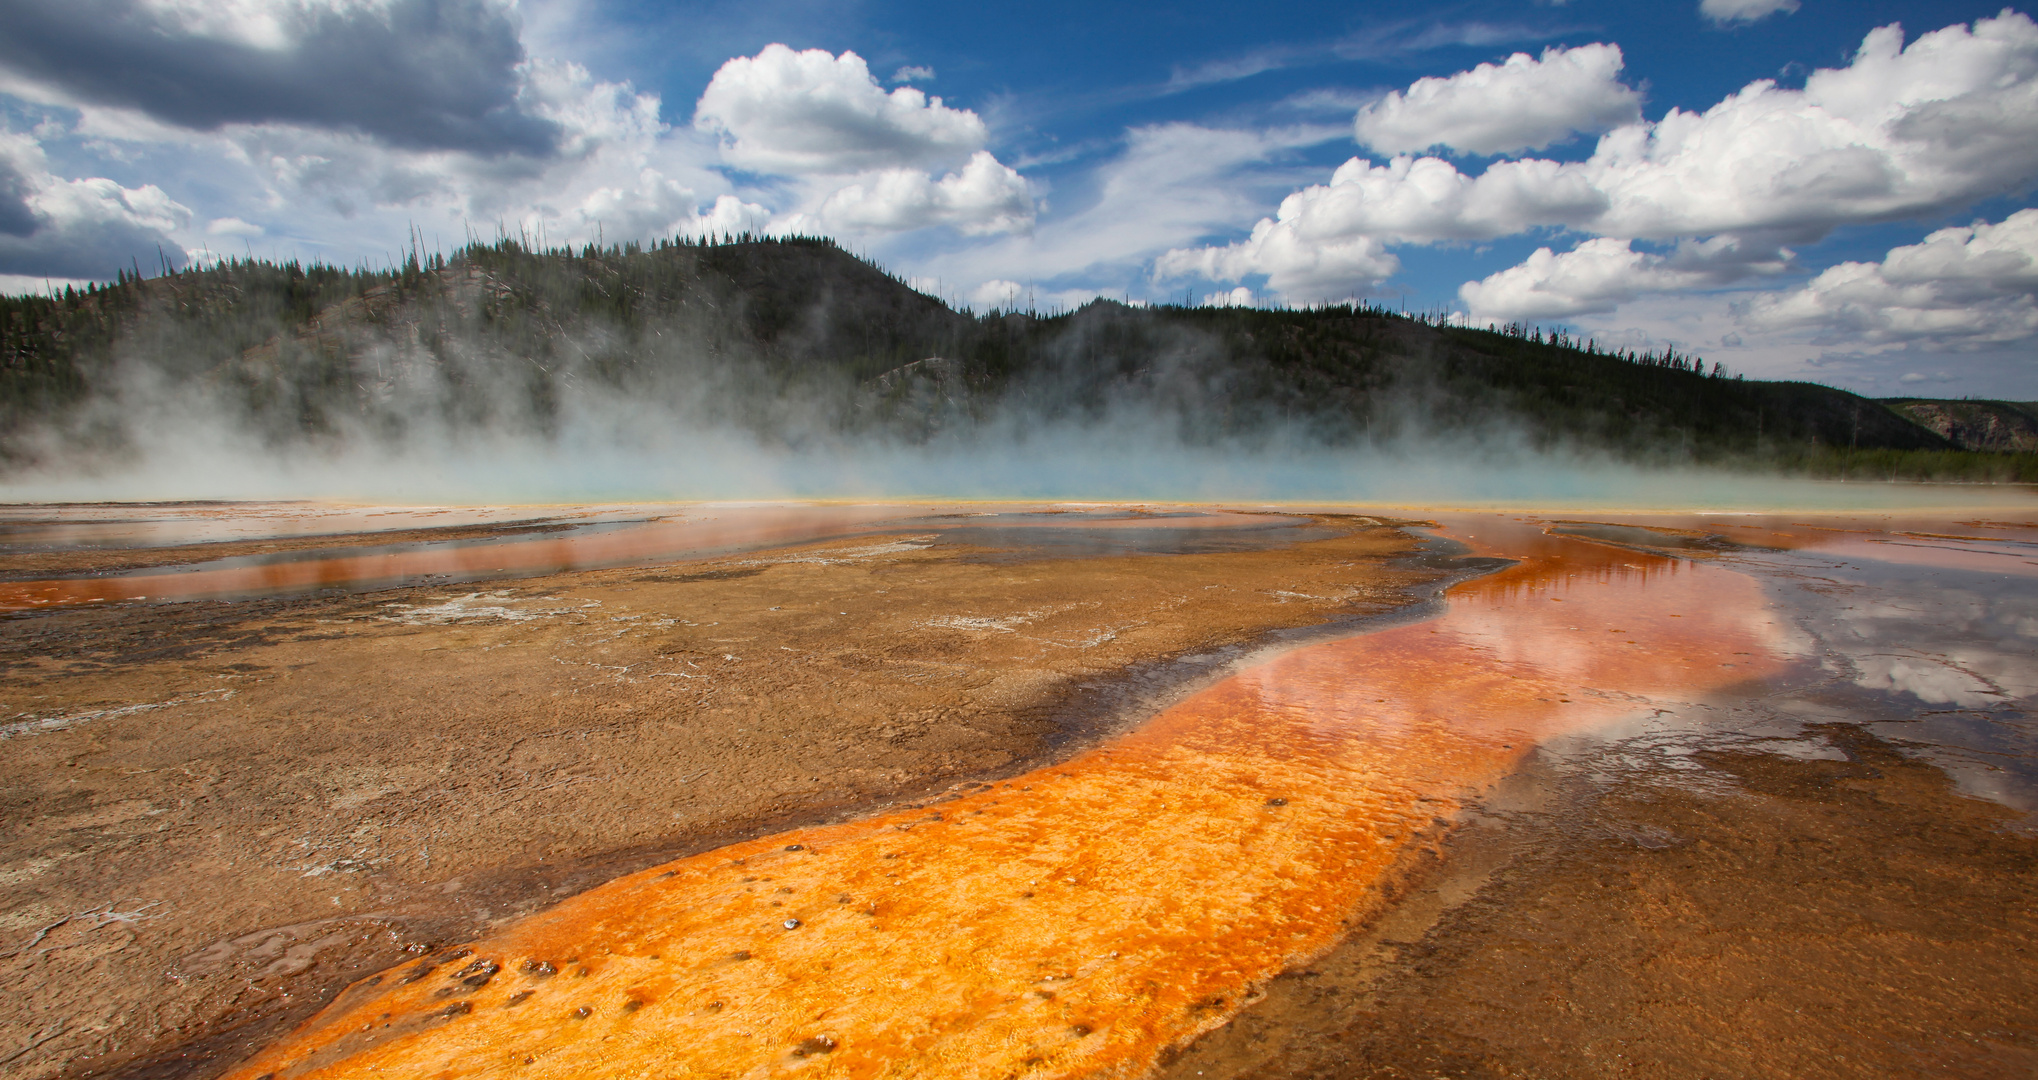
[(376, 116), (1521, 104), (809, 112), (75, 228), (1600, 274), (1672, 211), (865, 153), (1962, 288)]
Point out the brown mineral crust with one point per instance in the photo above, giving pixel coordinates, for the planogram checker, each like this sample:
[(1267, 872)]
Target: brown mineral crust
[(1774, 916), (224, 812)]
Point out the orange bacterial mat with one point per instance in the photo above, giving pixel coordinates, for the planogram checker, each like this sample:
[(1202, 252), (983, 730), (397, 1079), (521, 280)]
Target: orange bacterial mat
[(1081, 919)]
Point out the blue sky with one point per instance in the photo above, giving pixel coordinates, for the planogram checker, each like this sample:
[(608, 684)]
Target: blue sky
[(1864, 221)]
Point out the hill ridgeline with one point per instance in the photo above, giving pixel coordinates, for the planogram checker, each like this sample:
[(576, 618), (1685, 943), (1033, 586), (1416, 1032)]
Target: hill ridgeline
[(799, 342)]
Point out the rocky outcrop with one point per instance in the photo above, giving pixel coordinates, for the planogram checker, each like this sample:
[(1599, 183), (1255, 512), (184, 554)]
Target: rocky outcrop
[(1975, 425)]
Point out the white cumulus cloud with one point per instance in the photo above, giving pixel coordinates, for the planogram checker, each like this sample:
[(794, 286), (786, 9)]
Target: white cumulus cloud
[(1524, 103), (813, 112), (997, 293), (656, 206), (618, 173), (1238, 297), (86, 228), (232, 226), (1602, 273), (864, 156), (1898, 132), (1329, 242), (1297, 266), (729, 216), (1961, 288), (983, 197), (1726, 11)]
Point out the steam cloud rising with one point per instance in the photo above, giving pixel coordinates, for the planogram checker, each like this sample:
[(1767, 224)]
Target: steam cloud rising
[(481, 381)]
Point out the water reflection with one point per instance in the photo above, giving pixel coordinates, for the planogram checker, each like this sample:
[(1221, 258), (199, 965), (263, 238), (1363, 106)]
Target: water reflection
[(1941, 661), (1926, 635), (43, 526), (596, 538)]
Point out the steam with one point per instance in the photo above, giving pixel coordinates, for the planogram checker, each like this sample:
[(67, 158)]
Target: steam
[(693, 416), (608, 448)]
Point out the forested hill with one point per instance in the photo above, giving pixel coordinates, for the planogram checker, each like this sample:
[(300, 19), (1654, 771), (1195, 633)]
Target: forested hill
[(798, 339)]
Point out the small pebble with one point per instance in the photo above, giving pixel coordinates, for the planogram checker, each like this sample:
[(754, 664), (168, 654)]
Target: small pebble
[(518, 998), (794, 847), (819, 1044), (1277, 802), (792, 924), (583, 1012)]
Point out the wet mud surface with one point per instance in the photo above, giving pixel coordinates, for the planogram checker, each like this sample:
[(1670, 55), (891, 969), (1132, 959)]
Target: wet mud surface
[(223, 812)]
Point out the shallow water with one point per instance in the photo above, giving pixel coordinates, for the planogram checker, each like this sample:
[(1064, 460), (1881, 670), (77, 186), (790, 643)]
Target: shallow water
[(1925, 635), (1008, 543), (41, 526), (597, 538), (1082, 919)]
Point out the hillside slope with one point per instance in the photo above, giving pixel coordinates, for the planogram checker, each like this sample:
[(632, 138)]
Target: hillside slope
[(2006, 426), (796, 339)]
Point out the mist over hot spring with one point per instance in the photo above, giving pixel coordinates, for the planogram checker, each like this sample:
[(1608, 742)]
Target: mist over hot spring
[(790, 369), (610, 448)]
